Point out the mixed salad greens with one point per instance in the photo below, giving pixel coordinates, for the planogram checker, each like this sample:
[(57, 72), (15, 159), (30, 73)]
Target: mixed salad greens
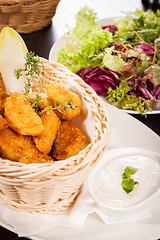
[(120, 61)]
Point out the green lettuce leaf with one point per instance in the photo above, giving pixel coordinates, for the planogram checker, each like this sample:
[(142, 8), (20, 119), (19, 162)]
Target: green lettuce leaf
[(111, 61), (89, 52), (146, 23), (86, 20), (120, 98)]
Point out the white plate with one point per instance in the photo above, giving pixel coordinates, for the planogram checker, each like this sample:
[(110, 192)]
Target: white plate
[(61, 42), (132, 133)]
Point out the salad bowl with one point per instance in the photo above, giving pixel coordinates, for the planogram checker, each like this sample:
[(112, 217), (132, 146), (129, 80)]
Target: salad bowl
[(63, 43)]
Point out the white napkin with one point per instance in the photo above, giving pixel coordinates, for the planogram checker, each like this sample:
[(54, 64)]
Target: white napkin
[(28, 224)]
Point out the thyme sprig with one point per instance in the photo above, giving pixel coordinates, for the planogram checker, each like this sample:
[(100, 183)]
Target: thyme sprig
[(59, 107), (69, 105), (36, 103), (33, 69)]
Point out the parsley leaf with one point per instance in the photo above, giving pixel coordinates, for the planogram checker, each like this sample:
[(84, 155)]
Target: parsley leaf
[(130, 170), (128, 183)]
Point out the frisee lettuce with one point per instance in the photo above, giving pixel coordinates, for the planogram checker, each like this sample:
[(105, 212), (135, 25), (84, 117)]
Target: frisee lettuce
[(89, 52), (86, 21), (113, 62), (121, 98), (146, 23)]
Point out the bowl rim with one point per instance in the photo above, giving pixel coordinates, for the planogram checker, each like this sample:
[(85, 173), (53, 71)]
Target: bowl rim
[(117, 152)]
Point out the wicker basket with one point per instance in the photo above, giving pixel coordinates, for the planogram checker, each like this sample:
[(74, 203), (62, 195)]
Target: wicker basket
[(49, 187), (27, 16)]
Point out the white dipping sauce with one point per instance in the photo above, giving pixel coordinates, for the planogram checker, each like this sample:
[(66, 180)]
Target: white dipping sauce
[(107, 180)]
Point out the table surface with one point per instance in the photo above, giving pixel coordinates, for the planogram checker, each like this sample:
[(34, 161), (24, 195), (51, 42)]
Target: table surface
[(41, 42)]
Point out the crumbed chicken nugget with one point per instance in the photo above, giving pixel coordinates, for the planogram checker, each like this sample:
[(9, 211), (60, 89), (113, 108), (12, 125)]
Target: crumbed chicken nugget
[(28, 160), (44, 102), (3, 123), (2, 85), (59, 94), (51, 124), (15, 147), (3, 96), (21, 116), (69, 141)]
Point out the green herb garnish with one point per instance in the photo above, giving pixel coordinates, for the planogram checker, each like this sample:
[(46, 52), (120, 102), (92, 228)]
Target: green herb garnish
[(57, 103), (58, 106), (69, 105), (33, 69), (128, 183), (48, 108), (36, 103)]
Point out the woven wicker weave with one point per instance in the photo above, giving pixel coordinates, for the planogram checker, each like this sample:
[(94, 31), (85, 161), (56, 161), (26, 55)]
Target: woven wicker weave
[(27, 16), (54, 186)]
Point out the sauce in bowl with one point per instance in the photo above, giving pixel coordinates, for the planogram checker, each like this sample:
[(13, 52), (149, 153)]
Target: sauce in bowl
[(105, 180)]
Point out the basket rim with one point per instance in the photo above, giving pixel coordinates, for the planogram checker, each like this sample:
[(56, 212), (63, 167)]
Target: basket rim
[(50, 187), (15, 166)]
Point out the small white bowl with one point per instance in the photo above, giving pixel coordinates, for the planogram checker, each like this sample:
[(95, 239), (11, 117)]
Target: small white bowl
[(98, 187)]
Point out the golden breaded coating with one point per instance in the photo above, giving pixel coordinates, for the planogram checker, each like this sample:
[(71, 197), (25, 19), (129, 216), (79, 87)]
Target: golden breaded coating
[(21, 116), (44, 102), (14, 147), (3, 123), (51, 124), (56, 92), (3, 96), (69, 141), (28, 160), (2, 85)]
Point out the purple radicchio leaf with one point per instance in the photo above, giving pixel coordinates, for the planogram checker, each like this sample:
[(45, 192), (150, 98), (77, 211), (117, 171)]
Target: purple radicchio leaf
[(157, 92), (146, 49), (145, 92), (100, 79), (111, 28), (157, 40), (136, 93)]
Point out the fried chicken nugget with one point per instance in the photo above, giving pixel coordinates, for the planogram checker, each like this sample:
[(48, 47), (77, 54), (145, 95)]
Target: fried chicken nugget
[(21, 116), (3, 96), (56, 92), (41, 159), (44, 102), (69, 141), (51, 124), (3, 123), (19, 148)]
